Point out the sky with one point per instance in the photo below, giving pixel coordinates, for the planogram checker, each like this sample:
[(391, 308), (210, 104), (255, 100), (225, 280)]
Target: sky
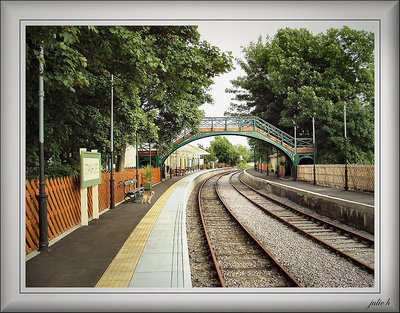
[(231, 36)]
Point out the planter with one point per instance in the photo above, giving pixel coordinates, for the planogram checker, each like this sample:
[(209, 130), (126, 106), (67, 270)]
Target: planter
[(281, 171), (147, 186)]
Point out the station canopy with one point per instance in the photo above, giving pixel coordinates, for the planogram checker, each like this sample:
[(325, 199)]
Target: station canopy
[(189, 150)]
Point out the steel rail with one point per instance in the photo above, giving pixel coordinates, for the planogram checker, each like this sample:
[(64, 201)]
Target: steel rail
[(279, 265), (310, 216), (217, 268), (369, 268)]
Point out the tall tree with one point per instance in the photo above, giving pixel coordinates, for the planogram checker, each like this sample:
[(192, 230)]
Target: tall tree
[(224, 150), (161, 77), (297, 74)]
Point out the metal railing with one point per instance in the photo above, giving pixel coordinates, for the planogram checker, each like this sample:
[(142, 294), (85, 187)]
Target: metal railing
[(255, 122), (242, 124)]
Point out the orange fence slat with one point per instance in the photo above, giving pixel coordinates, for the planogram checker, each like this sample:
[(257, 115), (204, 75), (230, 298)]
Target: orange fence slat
[(64, 208), (53, 206), (56, 220), (71, 196), (63, 203)]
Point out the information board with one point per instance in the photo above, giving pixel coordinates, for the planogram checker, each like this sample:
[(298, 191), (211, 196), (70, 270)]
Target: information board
[(90, 169)]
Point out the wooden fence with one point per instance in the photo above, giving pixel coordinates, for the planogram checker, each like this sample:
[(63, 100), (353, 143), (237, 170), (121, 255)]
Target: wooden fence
[(64, 200), (360, 177)]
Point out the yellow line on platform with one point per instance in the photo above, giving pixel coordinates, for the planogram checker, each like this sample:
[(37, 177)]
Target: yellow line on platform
[(119, 273)]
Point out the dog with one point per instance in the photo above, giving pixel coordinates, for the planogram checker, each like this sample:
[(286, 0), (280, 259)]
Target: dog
[(147, 197)]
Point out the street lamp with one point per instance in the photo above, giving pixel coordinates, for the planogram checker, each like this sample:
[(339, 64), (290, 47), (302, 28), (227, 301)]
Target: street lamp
[(313, 139), (346, 185), (255, 160), (295, 145), (137, 160), (149, 153), (176, 162), (42, 197), (112, 197)]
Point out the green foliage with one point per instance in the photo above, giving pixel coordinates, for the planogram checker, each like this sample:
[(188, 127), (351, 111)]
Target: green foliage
[(297, 74), (148, 173), (243, 152), (162, 75), (262, 149), (225, 152), (243, 165)]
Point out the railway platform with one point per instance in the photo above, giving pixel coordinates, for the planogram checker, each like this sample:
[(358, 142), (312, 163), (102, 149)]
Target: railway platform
[(138, 245), (350, 195)]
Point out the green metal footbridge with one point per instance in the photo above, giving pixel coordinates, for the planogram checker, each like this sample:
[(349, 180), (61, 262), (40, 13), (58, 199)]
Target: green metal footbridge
[(295, 149)]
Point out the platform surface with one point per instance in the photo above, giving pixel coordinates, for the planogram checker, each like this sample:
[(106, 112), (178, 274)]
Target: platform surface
[(350, 195)]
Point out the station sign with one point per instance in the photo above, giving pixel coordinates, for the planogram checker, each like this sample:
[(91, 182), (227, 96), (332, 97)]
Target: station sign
[(90, 169)]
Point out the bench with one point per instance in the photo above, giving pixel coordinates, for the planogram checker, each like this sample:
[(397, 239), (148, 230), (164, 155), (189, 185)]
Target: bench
[(129, 192), (178, 172)]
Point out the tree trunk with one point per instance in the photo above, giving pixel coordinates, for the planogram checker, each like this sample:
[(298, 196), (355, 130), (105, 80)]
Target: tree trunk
[(121, 161)]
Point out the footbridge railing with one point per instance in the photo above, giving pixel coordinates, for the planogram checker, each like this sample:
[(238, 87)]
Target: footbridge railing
[(249, 126)]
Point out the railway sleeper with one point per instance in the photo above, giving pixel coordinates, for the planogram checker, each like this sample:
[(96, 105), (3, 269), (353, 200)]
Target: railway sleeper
[(243, 263)]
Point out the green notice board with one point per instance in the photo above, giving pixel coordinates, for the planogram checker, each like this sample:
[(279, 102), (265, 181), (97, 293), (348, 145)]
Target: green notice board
[(90, 169)]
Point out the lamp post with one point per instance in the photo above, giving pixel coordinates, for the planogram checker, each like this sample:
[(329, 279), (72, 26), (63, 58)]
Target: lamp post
[(137, 160), (313, 140), (295, 146), (42, 197), (346, 185), (112, 196), (255, 160), (176, 162), (149, 153)]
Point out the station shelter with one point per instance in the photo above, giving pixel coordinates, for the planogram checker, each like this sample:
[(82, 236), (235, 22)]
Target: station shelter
[(189, 158)]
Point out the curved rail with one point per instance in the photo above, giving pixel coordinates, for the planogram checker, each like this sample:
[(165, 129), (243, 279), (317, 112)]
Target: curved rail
[(308, 216), (283, 271), (217, 268)]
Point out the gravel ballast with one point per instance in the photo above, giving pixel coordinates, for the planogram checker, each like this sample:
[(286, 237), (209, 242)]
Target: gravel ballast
[(310, 263)]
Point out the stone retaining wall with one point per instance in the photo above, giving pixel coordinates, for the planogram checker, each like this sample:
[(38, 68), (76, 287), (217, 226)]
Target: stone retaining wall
[(355, 214)]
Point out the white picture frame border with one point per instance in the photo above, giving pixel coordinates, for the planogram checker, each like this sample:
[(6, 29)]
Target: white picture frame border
[(15, 15)]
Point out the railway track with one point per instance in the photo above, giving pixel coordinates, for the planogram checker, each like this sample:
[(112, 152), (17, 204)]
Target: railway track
[(308, 261), (240, 260), (357, 248), (202, 269)]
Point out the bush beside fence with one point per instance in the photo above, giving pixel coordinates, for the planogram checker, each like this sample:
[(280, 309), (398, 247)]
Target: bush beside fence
[(64, 200), (360, 177)]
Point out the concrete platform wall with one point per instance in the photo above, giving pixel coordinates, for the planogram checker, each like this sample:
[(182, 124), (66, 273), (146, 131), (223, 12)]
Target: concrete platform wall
[(355, 214)]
